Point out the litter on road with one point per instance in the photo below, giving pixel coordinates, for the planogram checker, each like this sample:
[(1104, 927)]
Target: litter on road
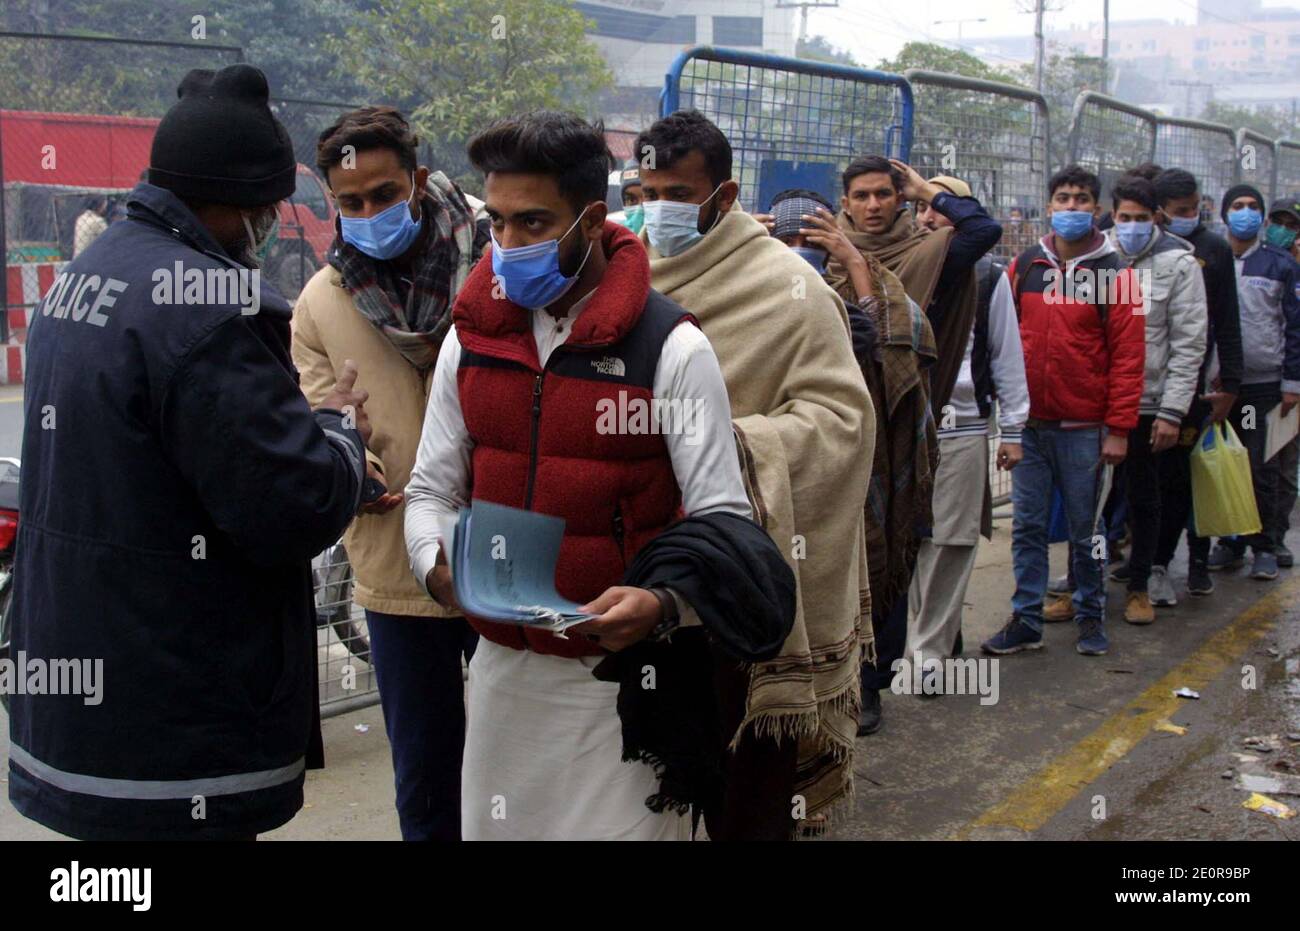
[(1268, 806)]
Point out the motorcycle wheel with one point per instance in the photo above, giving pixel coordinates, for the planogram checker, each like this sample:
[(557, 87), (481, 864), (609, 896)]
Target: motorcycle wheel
[(6, 621)]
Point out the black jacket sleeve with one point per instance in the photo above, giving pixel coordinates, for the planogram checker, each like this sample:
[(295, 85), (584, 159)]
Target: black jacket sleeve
[(281, 481), (1225, 316), (974, 234)]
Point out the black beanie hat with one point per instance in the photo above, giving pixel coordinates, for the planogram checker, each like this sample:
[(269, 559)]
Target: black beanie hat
[(220, 144), (1238, 190)]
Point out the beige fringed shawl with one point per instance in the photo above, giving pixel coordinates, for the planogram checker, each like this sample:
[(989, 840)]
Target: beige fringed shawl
[(805, 430)]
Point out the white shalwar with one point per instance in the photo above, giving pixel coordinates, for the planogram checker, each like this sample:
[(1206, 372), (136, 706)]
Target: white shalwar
[(543, 743)]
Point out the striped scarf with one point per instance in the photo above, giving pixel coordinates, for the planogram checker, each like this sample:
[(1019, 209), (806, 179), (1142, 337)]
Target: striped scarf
[(454, 243)]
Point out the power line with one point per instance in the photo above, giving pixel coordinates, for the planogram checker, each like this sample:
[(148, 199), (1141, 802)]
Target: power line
[(873, 27)]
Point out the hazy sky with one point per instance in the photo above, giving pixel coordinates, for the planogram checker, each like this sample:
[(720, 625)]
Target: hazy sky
[(875, 29)]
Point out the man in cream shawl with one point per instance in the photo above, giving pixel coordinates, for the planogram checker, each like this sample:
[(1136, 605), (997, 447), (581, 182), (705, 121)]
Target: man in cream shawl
[(804, 429)]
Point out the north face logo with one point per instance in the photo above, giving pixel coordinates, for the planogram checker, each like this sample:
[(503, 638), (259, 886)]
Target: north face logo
[(610, 365)]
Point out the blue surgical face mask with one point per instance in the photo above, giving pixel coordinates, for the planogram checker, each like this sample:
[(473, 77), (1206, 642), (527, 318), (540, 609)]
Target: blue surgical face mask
[(1278, 235), (634, 218), (531, 275), (1071, 225), (1244, 223), (673, 227), (1183, 226), (387, 234), (1134, 235), (814, 257)]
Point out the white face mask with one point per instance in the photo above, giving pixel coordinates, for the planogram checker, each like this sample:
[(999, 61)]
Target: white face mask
[(673, 227), (261, 233)]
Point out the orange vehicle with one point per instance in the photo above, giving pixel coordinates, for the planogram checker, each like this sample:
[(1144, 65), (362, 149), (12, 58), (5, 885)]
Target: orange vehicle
[(54, 163)]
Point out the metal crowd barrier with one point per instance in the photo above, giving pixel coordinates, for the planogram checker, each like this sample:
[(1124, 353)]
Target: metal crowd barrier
[(1207, 150), (792, 123), (994, 136), (1257, 162), (1109, 137), (346, 679), (1288, 168)]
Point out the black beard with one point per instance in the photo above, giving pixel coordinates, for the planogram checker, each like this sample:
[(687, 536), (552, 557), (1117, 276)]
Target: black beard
[(569, 264)]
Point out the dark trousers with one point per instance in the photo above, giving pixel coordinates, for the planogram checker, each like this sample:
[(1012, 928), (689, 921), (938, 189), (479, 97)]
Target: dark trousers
[(1265, 475), (418, 666), (758, 799), (1142, 488), (890, 629), (1175, 468), (1288, 462)]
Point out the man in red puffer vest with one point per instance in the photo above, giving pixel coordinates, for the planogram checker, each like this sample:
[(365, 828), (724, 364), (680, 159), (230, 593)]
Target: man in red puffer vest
[(543, 399)]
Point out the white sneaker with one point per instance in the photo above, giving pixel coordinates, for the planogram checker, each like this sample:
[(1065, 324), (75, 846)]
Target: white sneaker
[(1160, 589)]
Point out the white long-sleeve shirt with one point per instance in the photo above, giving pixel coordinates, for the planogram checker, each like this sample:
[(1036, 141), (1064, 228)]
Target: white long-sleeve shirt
[(704, 461), (1007, 361)]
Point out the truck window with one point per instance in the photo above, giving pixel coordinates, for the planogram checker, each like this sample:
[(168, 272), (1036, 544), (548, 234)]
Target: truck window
[(309, 193)]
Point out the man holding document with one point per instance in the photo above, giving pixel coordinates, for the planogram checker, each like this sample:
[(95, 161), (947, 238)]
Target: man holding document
[(555, 331)]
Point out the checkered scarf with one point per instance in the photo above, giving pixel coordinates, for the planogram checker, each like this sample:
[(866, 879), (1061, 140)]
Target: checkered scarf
[(454, 244)]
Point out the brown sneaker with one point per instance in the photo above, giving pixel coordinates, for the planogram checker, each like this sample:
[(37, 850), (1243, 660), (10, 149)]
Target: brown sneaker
[(1058, 607), (1137, 608)]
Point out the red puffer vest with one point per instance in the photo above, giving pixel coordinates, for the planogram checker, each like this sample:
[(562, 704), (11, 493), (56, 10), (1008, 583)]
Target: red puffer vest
[(540, 440)]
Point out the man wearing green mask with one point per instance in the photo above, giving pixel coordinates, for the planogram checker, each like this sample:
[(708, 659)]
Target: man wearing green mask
[(630, 182), (1284, 224)]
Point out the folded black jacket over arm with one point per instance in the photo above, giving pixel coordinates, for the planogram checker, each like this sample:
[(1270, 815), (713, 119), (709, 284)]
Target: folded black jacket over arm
[(729, 570)]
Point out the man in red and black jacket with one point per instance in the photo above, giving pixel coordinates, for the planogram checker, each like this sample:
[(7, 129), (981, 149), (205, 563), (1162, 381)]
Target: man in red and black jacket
[(1084, 338), (556, 324)]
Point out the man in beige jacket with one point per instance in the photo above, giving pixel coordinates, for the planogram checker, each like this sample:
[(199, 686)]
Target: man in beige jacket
[(406, 242)]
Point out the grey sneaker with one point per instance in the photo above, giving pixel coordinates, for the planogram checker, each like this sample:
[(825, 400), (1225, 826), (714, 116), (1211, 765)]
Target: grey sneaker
[(1160, 588), (1059, 585), (1284, 558), (1264, 567), (1092, 637), (1224, 557)]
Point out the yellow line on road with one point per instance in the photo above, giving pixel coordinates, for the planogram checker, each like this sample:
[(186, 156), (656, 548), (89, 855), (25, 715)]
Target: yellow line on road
[(17, 400), (1034, 802)]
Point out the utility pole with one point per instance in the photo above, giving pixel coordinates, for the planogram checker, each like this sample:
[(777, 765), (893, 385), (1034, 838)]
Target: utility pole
[(1105, 46), (803, 6), (1038, 45)]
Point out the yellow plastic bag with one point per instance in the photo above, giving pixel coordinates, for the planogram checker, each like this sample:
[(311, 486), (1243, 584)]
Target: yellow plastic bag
[(1223, 496)]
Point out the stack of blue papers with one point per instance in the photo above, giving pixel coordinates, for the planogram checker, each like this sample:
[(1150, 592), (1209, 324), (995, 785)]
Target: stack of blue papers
[(503, 567)]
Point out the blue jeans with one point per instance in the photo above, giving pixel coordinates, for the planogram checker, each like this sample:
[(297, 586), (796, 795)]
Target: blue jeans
[(418, 667), (1070, 460)]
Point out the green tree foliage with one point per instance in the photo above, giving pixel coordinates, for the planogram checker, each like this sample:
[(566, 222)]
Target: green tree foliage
[(1065, 76), (1274, 122), (455, 66), (993, 142), (817, 48), (933, 57), (91, 77)]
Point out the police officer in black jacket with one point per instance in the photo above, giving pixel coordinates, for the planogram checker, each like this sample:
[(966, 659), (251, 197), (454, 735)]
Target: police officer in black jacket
[(175, 487)]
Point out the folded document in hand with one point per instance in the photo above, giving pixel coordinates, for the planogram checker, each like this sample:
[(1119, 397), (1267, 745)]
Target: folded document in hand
[(503, 567)]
